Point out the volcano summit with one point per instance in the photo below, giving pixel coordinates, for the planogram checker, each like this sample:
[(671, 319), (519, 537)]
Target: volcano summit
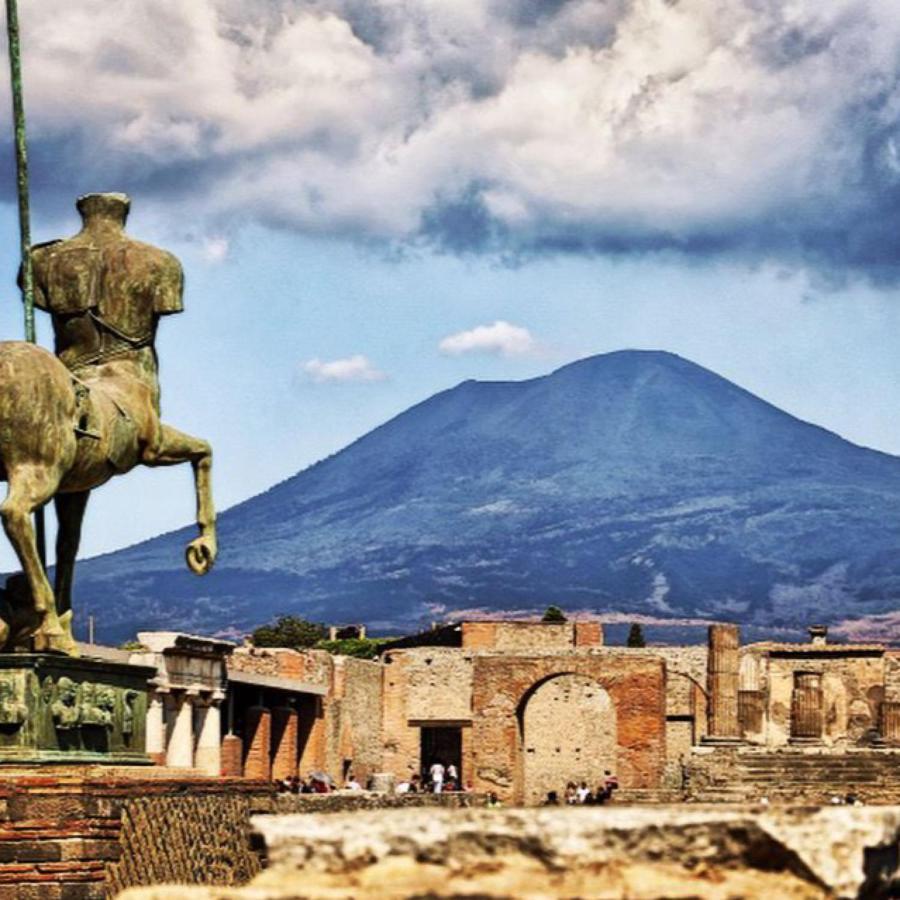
[(634, 481)]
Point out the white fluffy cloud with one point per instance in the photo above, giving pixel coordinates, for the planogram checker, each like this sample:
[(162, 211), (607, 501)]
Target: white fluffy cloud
[(341, 371), (500, 338), (753, 126)]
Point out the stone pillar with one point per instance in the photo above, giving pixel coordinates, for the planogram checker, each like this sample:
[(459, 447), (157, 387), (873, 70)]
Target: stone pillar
[(284, 742), (156, 728), (180, 752), (890, 722), (257, 740), (232, 755), (208, 757), (806, 707), (723, 669), (382, 783)]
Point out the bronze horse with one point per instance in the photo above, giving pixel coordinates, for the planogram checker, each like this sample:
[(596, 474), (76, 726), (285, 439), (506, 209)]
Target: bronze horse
[(69, 423)]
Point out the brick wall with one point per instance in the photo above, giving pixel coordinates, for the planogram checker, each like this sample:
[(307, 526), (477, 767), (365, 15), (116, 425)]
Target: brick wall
[(313, 666), (635, 684), (73, 837), (522, 636)]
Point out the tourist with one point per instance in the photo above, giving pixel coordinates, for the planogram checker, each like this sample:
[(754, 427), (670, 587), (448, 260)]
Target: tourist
[(582, 793), (352, 784), (294, 784), (610, 783), (415, 785), (552, 799), (571, 794), (601, 795), (402, 787), (452, 773), (493, 801), (437, 776)]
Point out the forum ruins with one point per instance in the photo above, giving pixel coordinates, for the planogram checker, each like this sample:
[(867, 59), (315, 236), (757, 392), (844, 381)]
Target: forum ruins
[(521, 707)]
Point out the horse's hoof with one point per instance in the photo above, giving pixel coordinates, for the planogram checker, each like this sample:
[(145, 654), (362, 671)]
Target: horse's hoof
[(200, 555), (55, 642)]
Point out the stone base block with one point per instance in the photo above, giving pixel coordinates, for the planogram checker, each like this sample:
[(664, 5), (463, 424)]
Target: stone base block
[(56, 709)]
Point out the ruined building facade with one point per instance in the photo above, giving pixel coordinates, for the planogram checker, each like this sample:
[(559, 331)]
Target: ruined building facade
[(521, 708)]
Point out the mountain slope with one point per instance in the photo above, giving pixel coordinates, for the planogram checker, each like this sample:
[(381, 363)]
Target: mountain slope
[(632, 481)]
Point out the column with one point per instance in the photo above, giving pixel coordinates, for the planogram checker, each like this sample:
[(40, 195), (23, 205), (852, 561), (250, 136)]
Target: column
[(806, 707), (890, 722), (156, 728), (284, 742), (208, 757), (722, 682), (257, 738), (180, 752)]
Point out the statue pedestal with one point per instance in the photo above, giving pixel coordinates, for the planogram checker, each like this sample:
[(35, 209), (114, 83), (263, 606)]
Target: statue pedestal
[(58, 709)]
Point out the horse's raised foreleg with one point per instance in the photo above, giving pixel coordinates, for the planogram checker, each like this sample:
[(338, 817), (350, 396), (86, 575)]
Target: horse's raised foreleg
[(28, 488), (69, 516), (177, 447)]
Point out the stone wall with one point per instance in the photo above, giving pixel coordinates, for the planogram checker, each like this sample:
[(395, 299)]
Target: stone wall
[(80, 833), (502, 684), (568, 734), (353, 718), (421, 686), (347, 801), (852, 686)]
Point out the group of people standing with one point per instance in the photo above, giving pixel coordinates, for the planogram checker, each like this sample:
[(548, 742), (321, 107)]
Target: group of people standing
[(439, 779), (579, 794), (443, 778)]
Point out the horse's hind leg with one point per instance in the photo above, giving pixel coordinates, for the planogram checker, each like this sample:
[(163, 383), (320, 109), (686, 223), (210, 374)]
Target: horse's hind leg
[(29, 488), (177, 447)]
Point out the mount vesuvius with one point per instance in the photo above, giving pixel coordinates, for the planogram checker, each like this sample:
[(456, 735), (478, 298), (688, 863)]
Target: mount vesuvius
[(633, 481)]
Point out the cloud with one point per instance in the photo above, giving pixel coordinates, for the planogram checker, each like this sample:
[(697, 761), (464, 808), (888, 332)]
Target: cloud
[(341, 371), (500, 338), (215, 248), (754, 129)]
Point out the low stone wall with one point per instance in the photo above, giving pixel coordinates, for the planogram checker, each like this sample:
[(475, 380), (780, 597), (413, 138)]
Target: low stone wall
[(638, 854), (87, 833), (348, 802)]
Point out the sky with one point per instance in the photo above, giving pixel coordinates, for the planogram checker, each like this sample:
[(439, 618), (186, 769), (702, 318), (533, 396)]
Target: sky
[(374, 200)]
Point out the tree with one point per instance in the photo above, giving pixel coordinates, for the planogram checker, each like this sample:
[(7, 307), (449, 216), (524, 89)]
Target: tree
[(553, 614), (636, 636), (288, 631)]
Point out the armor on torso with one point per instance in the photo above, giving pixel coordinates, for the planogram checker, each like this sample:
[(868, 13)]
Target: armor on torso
[(105, 292)]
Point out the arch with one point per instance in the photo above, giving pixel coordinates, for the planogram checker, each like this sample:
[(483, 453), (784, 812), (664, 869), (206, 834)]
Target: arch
[(567, 732)]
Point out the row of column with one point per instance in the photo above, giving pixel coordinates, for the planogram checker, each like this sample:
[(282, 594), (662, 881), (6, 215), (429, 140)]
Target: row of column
[(270, 744), (184, 729)]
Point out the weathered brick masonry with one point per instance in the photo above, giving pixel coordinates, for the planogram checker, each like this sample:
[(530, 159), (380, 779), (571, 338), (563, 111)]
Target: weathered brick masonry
[(70, 837), (502, 685)]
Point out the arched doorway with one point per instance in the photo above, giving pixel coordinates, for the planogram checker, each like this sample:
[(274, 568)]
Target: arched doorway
[(568, 727)]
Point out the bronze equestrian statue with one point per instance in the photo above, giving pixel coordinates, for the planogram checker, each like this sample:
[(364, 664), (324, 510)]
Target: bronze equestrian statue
[(69, 422)]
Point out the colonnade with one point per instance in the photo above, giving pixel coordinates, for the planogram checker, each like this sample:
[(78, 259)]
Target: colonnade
[(270, 742), (184, 728)]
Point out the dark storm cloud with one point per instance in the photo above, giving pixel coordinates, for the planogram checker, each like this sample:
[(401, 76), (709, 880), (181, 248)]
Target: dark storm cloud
[(717, 128)]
